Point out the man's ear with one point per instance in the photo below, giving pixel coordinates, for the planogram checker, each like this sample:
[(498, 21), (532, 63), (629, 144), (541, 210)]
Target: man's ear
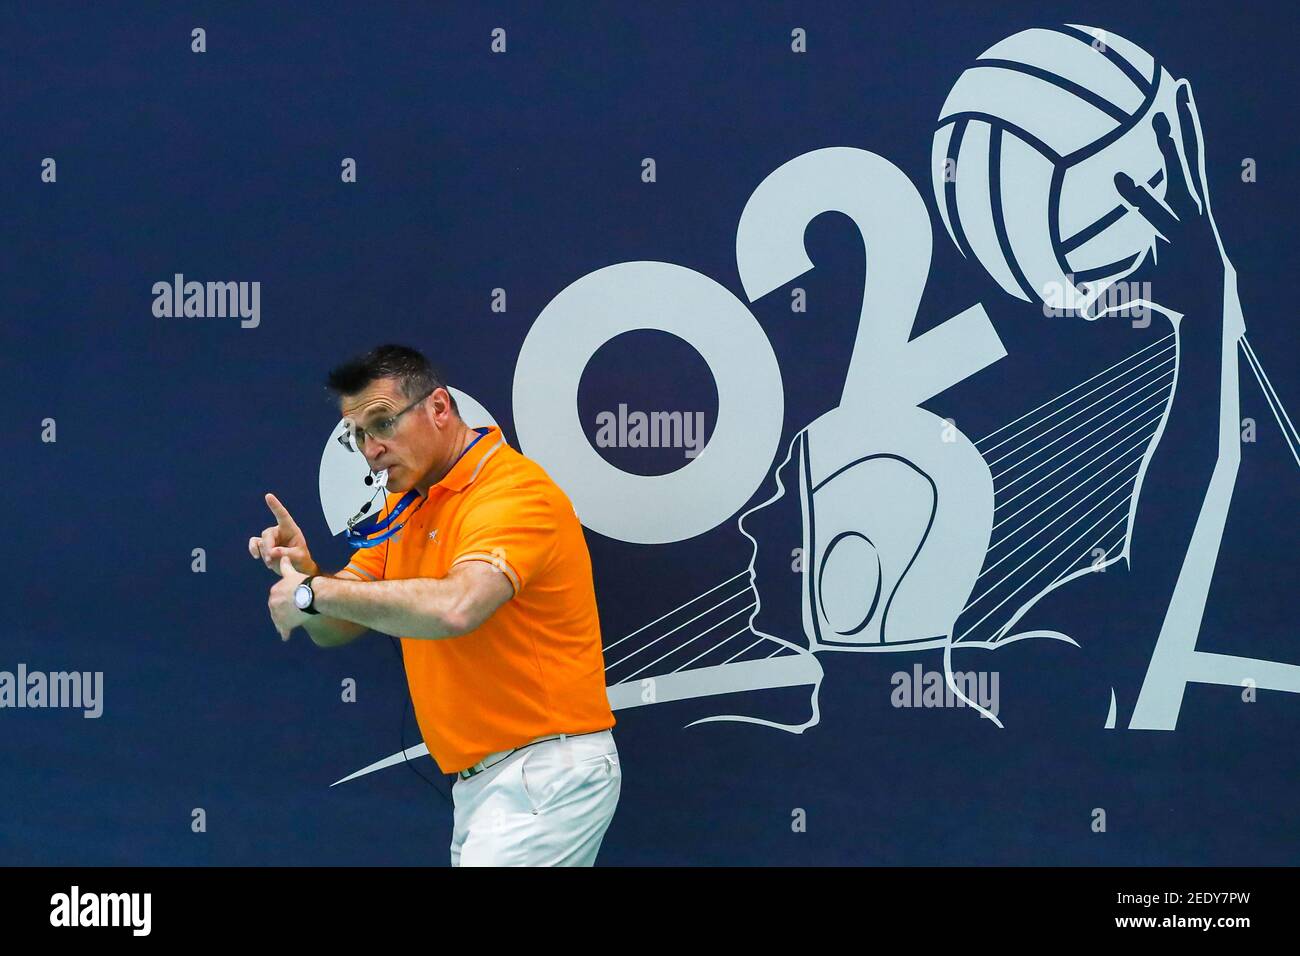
[(439, 403)]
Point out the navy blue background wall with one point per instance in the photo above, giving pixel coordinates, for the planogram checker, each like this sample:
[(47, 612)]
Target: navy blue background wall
[(523, 171)]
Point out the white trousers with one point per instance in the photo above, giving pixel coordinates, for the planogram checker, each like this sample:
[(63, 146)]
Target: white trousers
[(548, 804)]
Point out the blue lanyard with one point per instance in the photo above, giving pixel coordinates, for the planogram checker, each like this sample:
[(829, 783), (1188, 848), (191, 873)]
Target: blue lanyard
[(358, 536)]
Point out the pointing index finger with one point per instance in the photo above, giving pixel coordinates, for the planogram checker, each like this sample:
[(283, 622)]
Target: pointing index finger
[(282, 516)]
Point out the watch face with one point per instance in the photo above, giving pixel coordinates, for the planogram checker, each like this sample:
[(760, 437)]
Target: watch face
[(302, 596)]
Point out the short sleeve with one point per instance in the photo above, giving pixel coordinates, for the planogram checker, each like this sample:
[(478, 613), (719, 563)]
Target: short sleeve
[(368, 563), (514, 531)]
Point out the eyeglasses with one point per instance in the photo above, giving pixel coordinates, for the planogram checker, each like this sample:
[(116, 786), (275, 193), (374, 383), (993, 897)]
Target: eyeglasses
[(354, 439)]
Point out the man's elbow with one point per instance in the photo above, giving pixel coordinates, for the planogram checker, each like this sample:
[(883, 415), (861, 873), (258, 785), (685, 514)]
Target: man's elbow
[(480, 592), (465, 619), (457, 623)]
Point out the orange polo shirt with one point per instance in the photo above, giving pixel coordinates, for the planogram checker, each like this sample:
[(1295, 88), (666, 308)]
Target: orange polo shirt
[(535, 667)]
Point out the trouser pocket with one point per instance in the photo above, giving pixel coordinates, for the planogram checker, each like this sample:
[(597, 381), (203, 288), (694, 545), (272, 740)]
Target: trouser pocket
[(529, 793), (549, 777)]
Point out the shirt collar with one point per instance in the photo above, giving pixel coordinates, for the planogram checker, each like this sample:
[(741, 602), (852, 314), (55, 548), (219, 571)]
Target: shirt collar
[(472, 459)]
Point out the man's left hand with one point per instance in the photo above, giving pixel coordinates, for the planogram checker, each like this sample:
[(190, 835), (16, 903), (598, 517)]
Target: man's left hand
[(284, 612)]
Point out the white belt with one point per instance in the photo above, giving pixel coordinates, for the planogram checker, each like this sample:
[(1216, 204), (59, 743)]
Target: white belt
[(492, 759)]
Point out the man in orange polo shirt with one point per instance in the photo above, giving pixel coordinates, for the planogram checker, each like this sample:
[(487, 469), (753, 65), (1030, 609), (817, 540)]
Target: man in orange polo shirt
[(478, 563)]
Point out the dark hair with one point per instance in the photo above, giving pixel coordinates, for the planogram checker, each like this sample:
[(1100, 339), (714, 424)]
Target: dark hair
[(415, 376)]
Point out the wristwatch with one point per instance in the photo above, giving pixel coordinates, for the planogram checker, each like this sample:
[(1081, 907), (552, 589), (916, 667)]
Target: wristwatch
[(304, 596)]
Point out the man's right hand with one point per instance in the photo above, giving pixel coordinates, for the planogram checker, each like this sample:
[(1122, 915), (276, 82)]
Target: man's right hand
[(282, 539)]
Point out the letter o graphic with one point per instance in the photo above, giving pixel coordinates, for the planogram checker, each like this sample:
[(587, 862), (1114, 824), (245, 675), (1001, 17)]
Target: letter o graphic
[(650, 509)]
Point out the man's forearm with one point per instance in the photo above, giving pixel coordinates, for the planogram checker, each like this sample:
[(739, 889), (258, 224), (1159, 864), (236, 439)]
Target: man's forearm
[(332, 631), (410, 607), (326, 631)]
